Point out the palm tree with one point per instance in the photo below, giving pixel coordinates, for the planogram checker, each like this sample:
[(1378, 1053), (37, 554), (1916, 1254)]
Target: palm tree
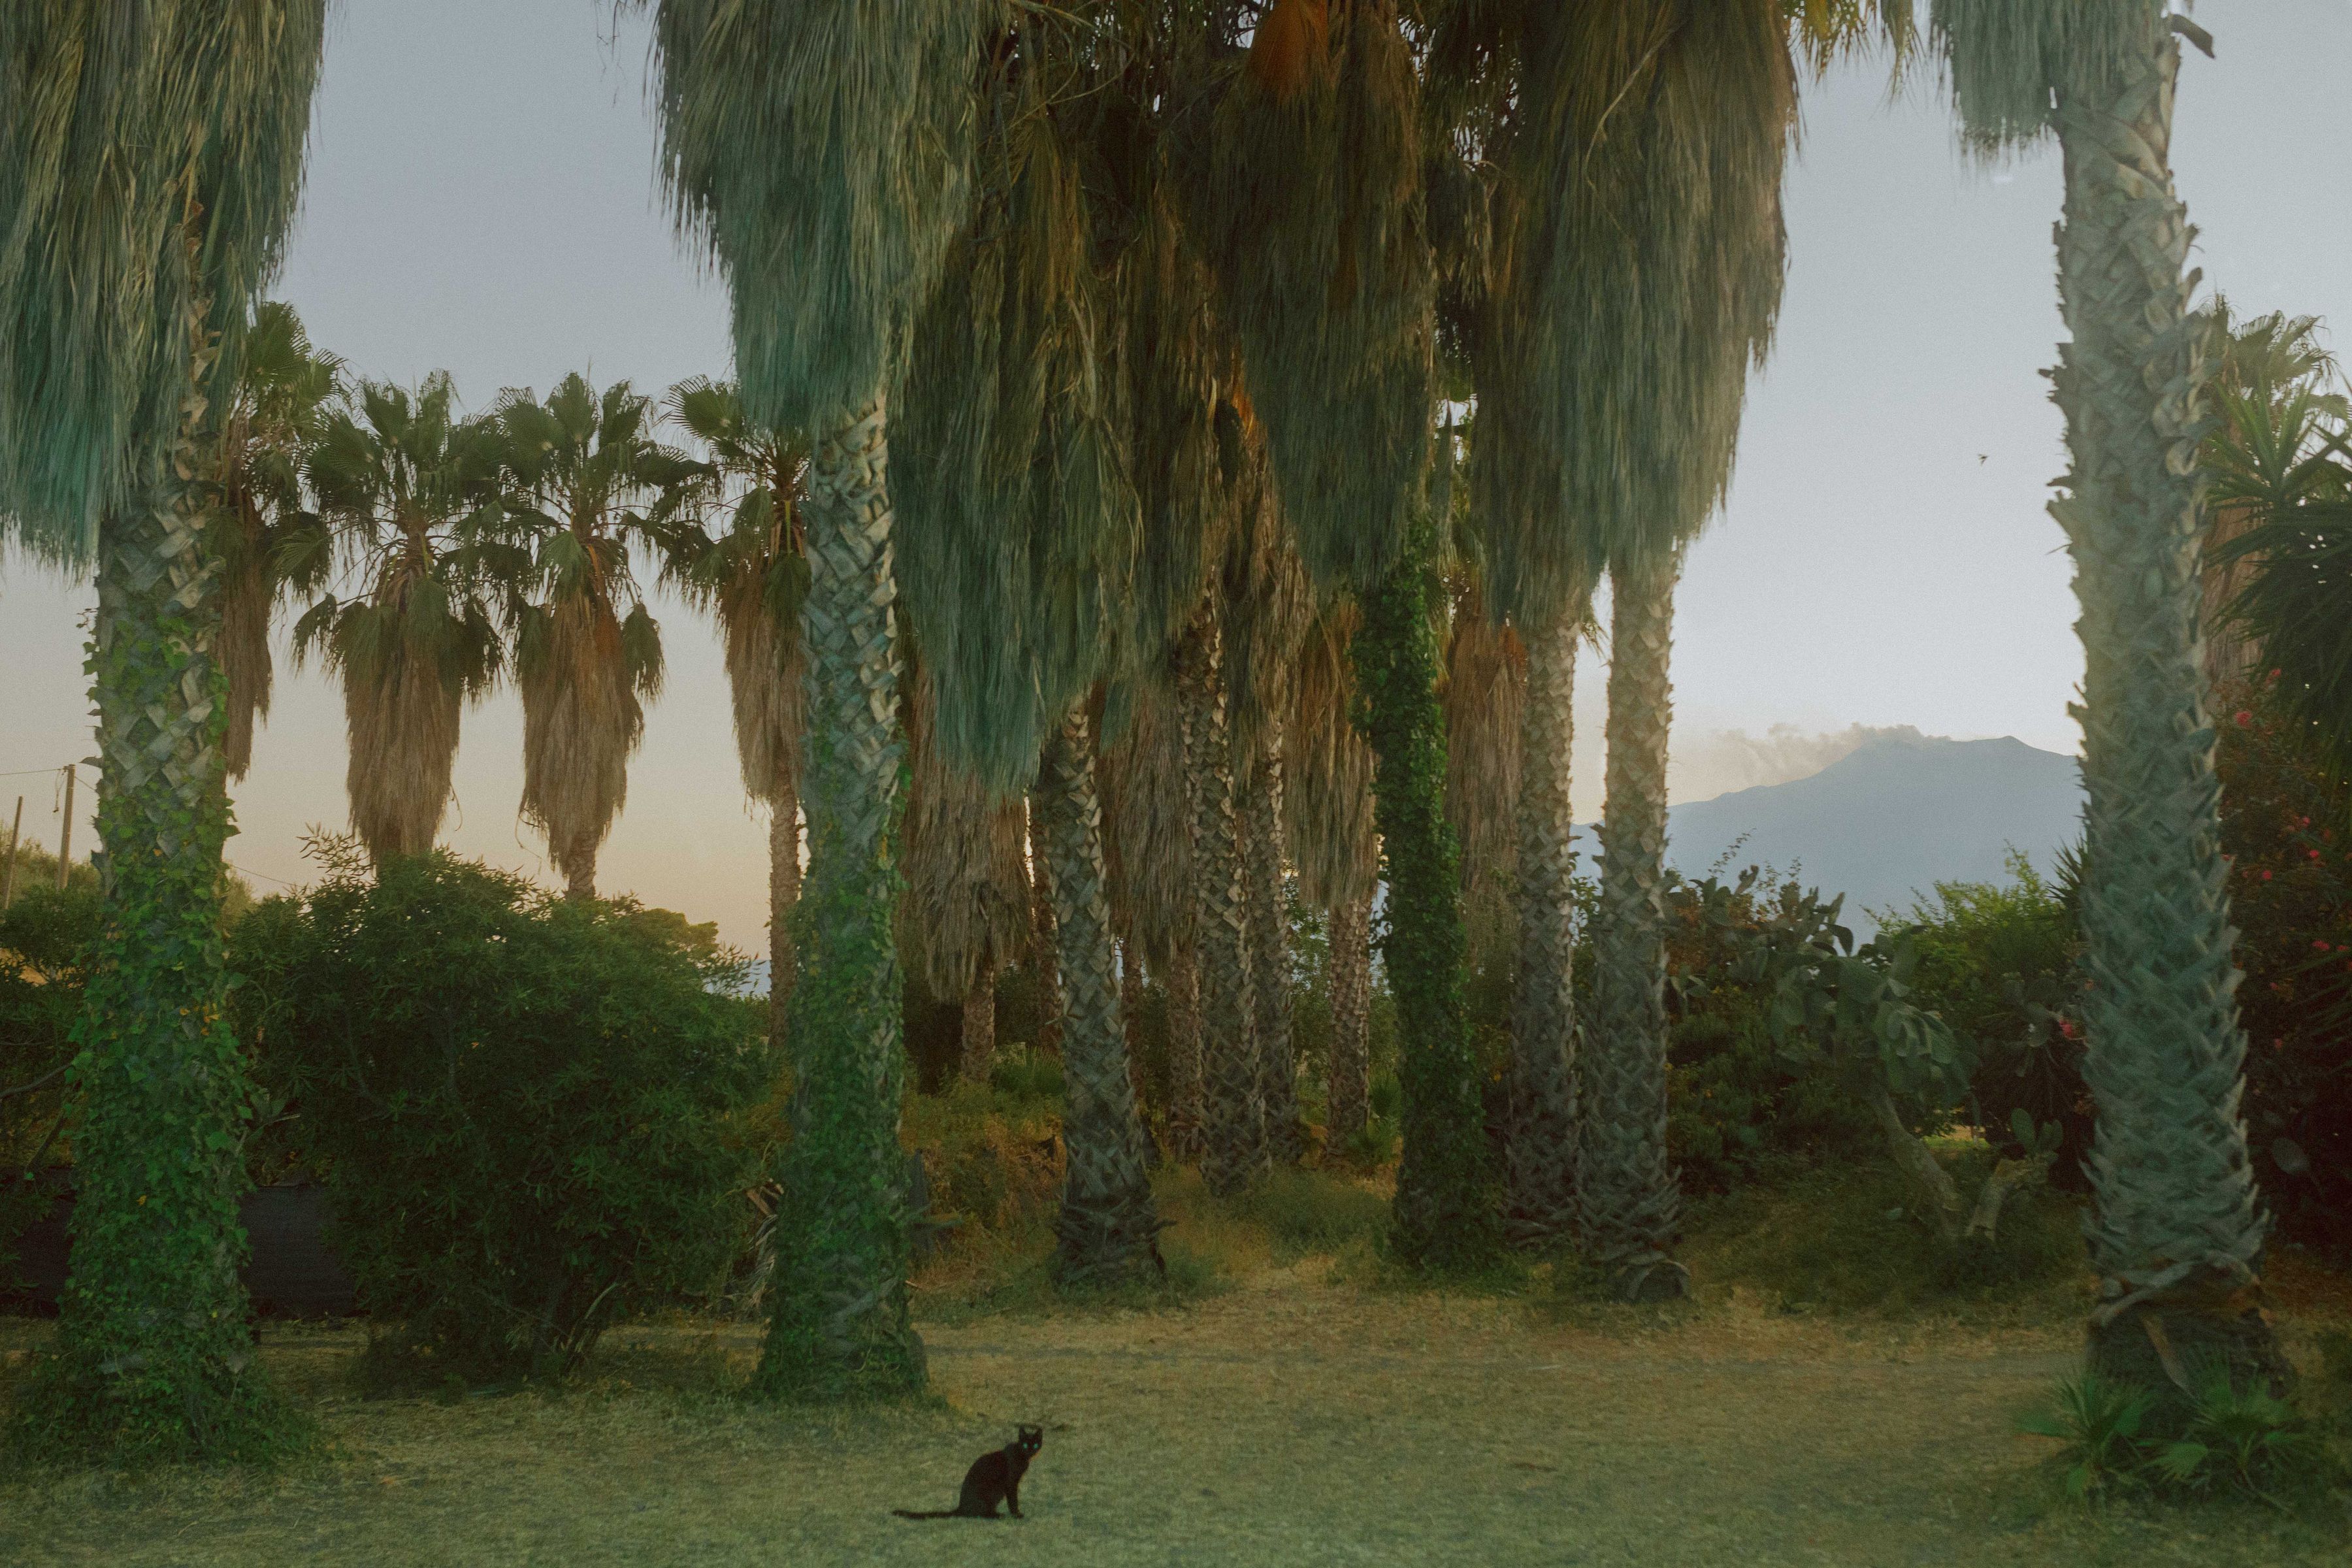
[(273, 417), (2281, 460), (1328, 807), (1147, 854), (1314, 209), (1639, 252), (1233, 1093), (1023, 528), (2177, 1236), (819, 149), (406, 487), (1266, 606), (586, 481), (149, 161), (753, 573)]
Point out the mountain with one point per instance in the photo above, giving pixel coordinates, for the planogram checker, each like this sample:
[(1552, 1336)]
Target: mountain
[(1891, 820)]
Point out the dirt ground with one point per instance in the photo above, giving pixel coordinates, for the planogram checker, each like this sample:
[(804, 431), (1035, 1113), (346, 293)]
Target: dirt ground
[(1299, 1419)]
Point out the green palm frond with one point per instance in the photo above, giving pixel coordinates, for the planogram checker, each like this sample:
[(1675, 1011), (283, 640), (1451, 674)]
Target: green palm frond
[(819, 150), (1641, 255), (1020, 518), (150, 158)]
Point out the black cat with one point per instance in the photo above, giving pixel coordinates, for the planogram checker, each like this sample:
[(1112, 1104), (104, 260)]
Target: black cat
[(994, 1478)]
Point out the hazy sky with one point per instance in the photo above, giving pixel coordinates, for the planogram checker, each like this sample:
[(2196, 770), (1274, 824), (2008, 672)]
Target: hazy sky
[(481, 199)]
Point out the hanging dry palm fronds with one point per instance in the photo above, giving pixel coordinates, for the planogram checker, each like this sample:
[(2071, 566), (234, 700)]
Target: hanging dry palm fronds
[(1311, 201), (967, 886), (1486, 690), (1020, 522)]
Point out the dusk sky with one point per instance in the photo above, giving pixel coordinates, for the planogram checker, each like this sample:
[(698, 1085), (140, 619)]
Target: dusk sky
[(482, 199)]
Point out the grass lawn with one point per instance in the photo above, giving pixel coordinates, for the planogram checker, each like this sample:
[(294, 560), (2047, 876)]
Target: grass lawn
[(1301, 1413)]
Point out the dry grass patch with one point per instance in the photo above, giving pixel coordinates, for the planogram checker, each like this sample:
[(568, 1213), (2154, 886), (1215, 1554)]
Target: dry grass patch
[(1281, 1412)]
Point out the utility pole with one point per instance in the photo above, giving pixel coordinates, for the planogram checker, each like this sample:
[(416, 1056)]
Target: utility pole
[(8, 876), (65, 833)]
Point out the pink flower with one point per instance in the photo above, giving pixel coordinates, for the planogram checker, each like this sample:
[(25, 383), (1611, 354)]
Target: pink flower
[(2244, 717)]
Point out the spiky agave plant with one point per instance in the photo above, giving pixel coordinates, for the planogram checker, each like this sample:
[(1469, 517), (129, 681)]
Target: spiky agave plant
[(149, 159), (1023, 526), (2177, 1236), (731, 542), (1639, 247), (273, 417), (819, 149), (585, 481), (405, 485)]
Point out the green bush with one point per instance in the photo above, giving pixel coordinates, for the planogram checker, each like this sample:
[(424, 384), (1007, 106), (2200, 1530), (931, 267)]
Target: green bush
[(520, 1104), (45, 937), (2117, 1436), (1997, 960), (1741, 1108), (1848, 1236), (1025, 1072), (991, 1155), (1309, 1211)]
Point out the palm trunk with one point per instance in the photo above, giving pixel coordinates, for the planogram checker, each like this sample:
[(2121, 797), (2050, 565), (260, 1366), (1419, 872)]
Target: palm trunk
[(1044, 945), (1629, 1196), (154, 1354), (783, 893), (979, 1039), (1183, 983), (1349, 1097), (2178, 1238), (1444, 1213), (1109, 1229), (1232, 1104), (1269, 940), (841, 1327), (1539, 1212), (577, 861), (1130, 1012)]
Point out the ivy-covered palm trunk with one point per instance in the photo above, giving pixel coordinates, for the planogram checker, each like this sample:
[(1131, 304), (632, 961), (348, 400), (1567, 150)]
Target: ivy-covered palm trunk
[(155, 1359), (1232, 1103), (1269, 938), (1109, 1229), (1628, 1194), (2177, 1236), (1444, 1215), (1539, 1205), (841, 1327), (1347, 1095)]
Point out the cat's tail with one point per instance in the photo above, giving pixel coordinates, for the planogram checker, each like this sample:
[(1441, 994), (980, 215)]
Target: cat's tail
[(942, 1513)]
